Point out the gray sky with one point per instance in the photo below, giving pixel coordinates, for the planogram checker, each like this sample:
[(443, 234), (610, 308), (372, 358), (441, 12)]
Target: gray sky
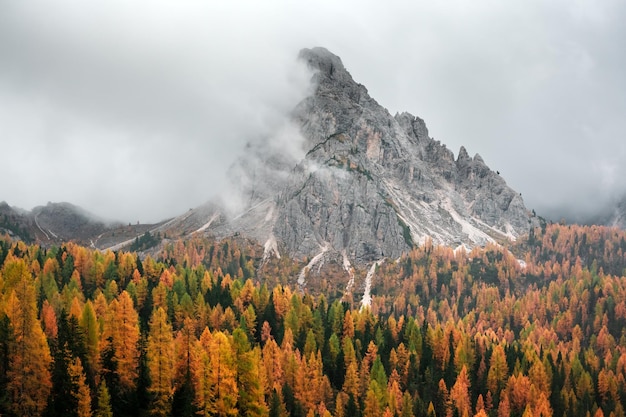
[(134, 110)]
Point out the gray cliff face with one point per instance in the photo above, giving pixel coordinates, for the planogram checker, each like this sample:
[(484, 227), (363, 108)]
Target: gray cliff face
[(363, 184), (372, 184)]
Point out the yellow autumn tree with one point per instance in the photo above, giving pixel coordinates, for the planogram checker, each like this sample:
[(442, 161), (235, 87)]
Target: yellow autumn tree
[(122, 331), (201, 370), (160, 356), (215, 374), (223, 376), (28, 373), (498, 371), (104, 402)]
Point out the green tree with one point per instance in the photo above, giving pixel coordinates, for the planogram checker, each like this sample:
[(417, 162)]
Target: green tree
[(250, 401), (104, 402)]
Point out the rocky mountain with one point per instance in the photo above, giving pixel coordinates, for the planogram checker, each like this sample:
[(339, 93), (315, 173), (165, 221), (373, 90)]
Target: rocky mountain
[(343, 180), (359, 184)]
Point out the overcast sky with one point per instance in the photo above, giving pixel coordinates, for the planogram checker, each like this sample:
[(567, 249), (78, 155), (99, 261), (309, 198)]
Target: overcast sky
[(134, 110)]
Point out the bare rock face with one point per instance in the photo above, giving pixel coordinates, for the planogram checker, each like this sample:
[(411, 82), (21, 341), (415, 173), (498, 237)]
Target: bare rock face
[(372, 185)]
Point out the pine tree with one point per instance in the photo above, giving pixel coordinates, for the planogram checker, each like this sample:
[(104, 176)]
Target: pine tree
[(126, 343), (250, 401), (273, 367), (160, 356), (215, 372), (223, 376), (277, 406), (104, 402), (49, 321), (351, 381), (498, 371), (183, 401), (89, 324), (407, 405), (201, 368), (372, 404), (29, 357), (80, 389), (459, 394)]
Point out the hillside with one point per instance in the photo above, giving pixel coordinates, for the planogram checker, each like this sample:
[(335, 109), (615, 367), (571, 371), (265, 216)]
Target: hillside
[(203, 327)]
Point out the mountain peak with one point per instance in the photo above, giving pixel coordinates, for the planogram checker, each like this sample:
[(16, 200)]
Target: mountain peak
[(319, 58), (331, 78), (463, 155)]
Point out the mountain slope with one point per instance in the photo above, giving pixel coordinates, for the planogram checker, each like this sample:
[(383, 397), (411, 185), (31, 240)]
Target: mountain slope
[(52, 223), (57, 223)]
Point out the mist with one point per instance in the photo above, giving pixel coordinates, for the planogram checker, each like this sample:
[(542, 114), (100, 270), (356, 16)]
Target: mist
[(133, 116), (136, 111)]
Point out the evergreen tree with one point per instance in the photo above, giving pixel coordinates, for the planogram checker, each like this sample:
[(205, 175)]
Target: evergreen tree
[(160, 355), (80, 390), (90, 329), (250, 401), (28, 375), (104, 402)]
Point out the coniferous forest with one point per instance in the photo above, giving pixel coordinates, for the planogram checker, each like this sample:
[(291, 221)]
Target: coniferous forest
[(207, 328)]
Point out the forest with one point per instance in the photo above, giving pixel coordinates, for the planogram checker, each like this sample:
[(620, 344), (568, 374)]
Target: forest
[(202, 328)]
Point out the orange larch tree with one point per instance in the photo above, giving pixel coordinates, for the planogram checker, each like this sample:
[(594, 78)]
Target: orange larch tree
[(28, 374), (122, 329)]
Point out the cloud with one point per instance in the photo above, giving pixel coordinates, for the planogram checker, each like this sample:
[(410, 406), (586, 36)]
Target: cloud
[(263, 167), (130, 112), (136, 110)]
